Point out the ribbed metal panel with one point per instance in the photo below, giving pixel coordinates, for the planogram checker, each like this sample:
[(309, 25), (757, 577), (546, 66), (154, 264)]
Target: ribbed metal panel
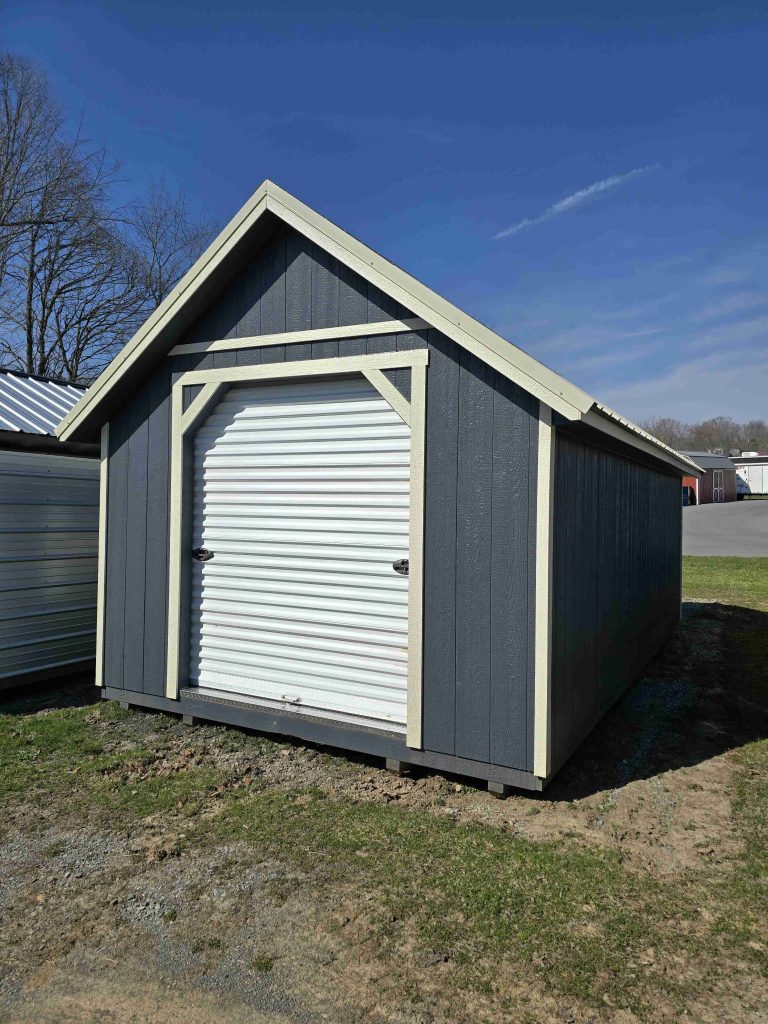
[(49, 509), (32, 405), (302, 493)]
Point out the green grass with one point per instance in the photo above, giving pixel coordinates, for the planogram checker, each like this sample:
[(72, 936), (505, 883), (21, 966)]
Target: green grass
[(737, 581), (574, 916), (65, 753)]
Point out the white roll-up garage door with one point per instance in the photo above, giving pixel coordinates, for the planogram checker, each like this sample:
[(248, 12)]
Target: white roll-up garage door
[(302, 496)]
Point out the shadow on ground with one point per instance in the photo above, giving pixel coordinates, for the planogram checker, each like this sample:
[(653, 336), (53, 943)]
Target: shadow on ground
[(74, 691), (705, 693)]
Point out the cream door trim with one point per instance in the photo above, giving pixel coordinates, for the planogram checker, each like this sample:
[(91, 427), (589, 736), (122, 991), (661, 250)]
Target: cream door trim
[(182, 431)]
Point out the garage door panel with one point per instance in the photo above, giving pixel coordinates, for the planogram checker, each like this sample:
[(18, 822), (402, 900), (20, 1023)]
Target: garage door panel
[(331, 586), (358, 635), (263, 606), (302, 645), (302, 493), (367, 489)]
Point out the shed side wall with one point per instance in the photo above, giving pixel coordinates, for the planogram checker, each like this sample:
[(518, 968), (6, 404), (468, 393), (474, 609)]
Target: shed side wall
[(480, 480), (49, 512), (617, 536)]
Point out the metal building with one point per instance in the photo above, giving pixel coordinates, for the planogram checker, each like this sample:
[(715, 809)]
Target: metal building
[(49, 496), (339, 508)]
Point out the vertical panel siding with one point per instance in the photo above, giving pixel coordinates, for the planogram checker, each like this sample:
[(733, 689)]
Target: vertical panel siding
[(117, 491), (156, 565), (616, 580), (473, 559), (135, 543), (513, 526), (479, 508), (442, 437), (49, 511)]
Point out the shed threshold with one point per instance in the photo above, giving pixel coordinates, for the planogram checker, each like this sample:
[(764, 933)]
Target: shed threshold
[(286, 707)]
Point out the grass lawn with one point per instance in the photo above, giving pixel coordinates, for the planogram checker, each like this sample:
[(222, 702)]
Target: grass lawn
[(526, 906), (734, 581)]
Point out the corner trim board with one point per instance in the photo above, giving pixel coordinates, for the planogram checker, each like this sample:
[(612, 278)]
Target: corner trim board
[(199, 405), (295, 337), (101, 571), (418, 424), (545, 494), (182, 430), (390, 394)]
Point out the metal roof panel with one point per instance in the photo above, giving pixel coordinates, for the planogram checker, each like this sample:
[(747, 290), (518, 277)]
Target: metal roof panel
[(34, 405)]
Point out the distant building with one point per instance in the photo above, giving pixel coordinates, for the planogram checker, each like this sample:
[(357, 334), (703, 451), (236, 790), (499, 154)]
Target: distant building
[(717, 483), (752, 472)]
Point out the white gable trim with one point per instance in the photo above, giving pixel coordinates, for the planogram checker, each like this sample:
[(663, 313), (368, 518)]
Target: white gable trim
[(546, 385)]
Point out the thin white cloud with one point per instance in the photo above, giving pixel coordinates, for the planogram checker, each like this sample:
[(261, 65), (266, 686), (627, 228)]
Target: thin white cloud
[(580, 339), (728, 334), (741, 303), (576, 199), (696, 391), (604, 361)]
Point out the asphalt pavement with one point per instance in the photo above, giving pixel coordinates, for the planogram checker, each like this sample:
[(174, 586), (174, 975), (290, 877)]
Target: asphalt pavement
[(730, 528)]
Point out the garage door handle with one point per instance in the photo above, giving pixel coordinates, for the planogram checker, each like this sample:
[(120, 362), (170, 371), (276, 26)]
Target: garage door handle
[(401, 566), (202, 555)]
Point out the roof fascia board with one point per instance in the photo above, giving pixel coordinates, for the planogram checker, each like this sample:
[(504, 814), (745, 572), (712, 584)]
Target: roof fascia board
[(198, 272), (621, 433), (502, 355), (549, 387)]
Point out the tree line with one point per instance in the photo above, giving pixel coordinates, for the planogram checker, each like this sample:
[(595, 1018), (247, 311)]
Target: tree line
[(721, 435), (79, 272)]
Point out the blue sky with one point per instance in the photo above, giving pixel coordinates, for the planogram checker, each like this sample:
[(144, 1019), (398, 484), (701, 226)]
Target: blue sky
[(595, 188)]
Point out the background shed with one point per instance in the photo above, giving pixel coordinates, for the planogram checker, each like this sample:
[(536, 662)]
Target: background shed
[(49, 497), (718, 479)]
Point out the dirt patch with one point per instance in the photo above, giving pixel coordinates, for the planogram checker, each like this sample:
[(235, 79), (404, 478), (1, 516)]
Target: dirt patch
[(119, 909)]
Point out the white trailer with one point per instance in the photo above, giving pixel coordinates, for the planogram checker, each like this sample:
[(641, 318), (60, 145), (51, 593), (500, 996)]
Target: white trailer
[(751, 474)]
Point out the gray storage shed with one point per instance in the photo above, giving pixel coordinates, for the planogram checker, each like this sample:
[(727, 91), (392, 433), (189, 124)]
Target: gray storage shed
[(49, 497), (338, 508)]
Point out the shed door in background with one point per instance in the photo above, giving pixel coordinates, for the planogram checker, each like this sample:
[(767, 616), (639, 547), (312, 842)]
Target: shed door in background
[(301, 492), (718, 490)]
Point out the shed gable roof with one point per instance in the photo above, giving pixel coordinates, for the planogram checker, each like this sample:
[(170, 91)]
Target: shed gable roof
[(549, 387), (707, 460)]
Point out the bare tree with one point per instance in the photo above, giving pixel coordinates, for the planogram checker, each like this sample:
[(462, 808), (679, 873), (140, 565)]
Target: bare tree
[(77, 276), (29, 129), (720, 434), (668, 430), (167, 239)]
